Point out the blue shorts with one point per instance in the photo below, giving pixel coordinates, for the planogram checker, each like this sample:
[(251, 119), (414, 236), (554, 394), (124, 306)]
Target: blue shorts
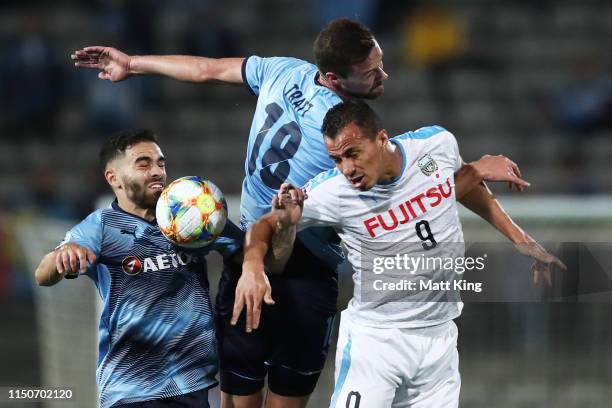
[(291, 344)]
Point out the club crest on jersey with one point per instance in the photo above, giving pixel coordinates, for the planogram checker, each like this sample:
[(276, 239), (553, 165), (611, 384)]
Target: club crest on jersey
[(131, 265), (427, 165)]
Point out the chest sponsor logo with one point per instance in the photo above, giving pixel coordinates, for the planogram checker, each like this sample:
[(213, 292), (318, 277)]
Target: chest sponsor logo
[(132, 265), (427, 165), (409, 210)]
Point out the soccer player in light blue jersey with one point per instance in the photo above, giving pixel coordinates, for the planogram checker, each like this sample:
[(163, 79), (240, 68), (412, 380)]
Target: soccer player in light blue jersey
[(286, 145), (157, 343)]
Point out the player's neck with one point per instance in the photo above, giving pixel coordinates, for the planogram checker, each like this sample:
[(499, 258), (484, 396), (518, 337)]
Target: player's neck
[(324, 82), (132, 208), (394, 161)]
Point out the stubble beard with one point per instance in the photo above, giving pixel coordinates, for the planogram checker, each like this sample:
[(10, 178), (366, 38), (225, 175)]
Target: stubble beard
[(137, 193)]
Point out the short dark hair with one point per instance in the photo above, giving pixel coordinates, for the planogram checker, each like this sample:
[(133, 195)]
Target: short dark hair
[(342, 43), (352, 111), (120, 141)]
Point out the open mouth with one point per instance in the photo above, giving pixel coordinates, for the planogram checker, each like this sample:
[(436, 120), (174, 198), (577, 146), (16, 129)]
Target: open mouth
[(356, 181)]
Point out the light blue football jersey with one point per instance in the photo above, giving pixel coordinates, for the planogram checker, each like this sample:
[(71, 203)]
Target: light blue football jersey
[(156, 333), (285, 141)]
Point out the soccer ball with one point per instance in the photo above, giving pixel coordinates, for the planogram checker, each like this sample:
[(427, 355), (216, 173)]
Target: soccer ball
[(191, 212)]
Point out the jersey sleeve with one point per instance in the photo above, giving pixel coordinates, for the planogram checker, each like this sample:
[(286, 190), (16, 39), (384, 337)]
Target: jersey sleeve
[(229, 242), (257, 70), (88, 233), (454, 152), (322, 207)]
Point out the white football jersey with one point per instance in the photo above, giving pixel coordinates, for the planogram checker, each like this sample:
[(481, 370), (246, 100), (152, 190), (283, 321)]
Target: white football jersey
[(414, 215)]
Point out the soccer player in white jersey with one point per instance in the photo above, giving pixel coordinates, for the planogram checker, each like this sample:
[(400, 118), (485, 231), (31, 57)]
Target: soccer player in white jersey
[(285, 145), (391, 352)]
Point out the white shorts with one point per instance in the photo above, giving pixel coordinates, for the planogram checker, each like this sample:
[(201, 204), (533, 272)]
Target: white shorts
[(393, 367)]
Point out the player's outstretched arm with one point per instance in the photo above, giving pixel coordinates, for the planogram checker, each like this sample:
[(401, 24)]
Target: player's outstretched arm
[(68, 260), (481, 201), (472, 192), (488, 168), (115, 65), (46, 273), (253, 286)]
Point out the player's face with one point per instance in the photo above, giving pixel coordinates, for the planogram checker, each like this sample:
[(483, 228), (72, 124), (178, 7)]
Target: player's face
[(365, 80), (142, 174), (359, 158)]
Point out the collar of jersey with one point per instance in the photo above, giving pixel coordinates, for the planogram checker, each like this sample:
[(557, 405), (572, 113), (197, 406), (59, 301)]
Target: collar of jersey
[(386, 183), (115, 206)]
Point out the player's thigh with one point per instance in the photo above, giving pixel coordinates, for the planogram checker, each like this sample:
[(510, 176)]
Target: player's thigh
[(241, 401), (443, 394), (242, 355), (363, 375), (307, 323), (306, 305), (295, 367), (439, 381), (274, 400)]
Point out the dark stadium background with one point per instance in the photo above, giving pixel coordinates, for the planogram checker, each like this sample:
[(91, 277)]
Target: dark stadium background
[(529, 79)]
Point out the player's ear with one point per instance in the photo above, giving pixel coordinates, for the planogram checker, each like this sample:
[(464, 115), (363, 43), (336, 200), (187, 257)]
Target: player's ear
[(382, 137), (332, 78), (111, 178)]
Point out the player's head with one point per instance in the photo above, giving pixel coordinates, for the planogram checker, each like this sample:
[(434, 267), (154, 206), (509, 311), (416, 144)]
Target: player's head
[(356, 142), (350, 59), (134, 166)]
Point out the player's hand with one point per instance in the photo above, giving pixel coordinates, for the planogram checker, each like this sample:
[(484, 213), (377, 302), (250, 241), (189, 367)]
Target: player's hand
[(113, 64), (500, 168), (253, 288), (544, 261), (71, 259), (288, 204)]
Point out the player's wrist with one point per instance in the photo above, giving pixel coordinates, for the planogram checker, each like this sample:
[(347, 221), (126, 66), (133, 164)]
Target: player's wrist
[(252, 265), (132, 64), (476, 170), (62, 246), (521, 238), (283, 224)]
